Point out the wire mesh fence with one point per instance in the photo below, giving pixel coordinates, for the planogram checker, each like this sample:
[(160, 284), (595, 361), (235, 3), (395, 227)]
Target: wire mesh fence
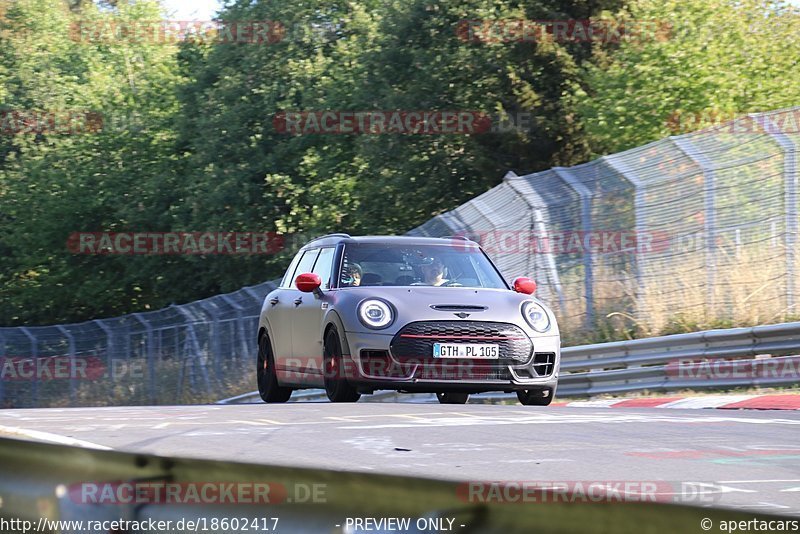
[(700, 226), (185, 353)]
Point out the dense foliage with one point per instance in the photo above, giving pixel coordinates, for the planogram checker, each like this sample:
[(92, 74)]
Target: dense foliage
[(721, 59), (189, 139)]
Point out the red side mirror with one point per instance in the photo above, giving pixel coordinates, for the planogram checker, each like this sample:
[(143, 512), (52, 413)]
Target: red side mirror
[(524, 285), (307, 282)]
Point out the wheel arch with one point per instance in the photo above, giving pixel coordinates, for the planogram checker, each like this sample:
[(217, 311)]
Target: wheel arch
[(333, 321), (264, 330)]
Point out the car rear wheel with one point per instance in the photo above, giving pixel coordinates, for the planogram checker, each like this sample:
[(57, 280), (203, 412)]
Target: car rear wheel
[(536, 397), (337, 387), (450, 397), (268, 386)]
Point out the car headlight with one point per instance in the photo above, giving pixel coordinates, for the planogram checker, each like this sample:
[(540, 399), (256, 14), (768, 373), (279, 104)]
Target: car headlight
[(375, 313), (536, 316)]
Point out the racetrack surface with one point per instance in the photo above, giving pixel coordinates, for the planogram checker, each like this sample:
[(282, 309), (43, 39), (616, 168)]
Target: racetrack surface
[(743, 459)]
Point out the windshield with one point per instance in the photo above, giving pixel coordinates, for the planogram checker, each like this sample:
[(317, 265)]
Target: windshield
[(385, 264)]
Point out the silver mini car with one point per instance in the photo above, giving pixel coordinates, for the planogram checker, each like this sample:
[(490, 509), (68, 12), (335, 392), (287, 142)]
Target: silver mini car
[(358, 314)]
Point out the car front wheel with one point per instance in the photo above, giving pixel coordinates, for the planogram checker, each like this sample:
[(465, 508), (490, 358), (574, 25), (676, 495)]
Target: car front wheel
[(337, 387), (536, 397), (268, 386)]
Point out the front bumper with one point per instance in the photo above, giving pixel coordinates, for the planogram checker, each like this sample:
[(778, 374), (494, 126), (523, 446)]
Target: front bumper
[(376, 364)]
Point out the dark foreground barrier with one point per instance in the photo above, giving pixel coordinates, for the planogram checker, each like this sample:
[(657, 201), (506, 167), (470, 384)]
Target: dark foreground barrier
[(109, 491)]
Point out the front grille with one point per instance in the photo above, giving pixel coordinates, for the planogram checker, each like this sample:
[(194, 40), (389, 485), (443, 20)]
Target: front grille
[(415, 340)]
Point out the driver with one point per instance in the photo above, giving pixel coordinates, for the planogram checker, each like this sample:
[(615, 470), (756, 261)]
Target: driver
[(433, 272), (351, 275)]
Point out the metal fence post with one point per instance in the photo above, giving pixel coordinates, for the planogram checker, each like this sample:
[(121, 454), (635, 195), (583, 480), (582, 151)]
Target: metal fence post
[(215, 338), (789, 200), (151, 363), (586, 225), (35, 356), (72, 358), (109, 351), (538, 224), (192, 346), (639, 215), (641, 228), (709, 223), (109, 336)]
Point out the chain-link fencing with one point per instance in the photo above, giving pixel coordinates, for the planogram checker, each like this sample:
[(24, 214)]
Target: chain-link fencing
[(185, 353), (699, 228)]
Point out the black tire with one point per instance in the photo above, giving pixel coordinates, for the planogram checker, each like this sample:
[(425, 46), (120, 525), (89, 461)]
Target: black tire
[(268, 386), (337, 387), (536, 397), (450, 397)]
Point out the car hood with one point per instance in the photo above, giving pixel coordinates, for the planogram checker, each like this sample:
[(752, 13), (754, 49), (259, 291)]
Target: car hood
[(423, 303)]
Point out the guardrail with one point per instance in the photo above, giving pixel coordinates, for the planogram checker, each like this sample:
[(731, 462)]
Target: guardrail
[(45, 485), (714, 359)]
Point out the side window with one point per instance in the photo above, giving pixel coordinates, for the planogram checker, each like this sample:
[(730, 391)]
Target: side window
[(289, 276), (323, 266), (305, 265)]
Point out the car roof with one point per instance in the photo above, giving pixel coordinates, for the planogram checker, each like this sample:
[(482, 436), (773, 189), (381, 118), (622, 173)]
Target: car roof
[(334, 239)]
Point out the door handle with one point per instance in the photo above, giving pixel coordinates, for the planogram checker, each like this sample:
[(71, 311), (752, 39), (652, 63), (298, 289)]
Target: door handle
[(273, 301), (298, 301)]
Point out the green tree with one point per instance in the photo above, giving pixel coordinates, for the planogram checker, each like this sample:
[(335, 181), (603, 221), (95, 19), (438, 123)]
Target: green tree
[(241, 172), (54, 183), (721, 58)]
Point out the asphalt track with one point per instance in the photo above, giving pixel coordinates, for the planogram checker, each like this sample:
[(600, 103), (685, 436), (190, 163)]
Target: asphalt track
[(743, 459)]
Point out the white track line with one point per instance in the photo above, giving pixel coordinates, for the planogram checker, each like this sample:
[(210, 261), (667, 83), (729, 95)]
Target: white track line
[(598, 403), (50, 438)]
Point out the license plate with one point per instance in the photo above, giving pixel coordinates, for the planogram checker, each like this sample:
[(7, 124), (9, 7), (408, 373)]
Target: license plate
[(466, 350)]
